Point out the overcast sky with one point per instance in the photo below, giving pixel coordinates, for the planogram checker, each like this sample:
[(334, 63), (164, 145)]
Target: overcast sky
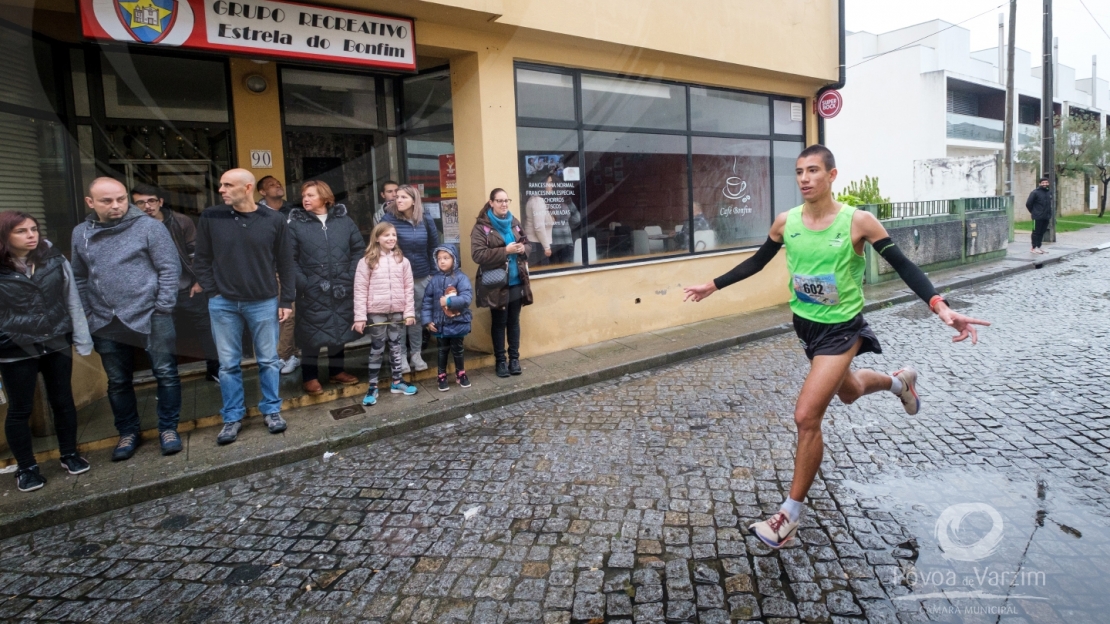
[(1080, 37)]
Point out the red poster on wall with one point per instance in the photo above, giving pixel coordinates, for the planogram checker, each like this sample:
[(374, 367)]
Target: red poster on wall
[(447, 188), (266, 28)]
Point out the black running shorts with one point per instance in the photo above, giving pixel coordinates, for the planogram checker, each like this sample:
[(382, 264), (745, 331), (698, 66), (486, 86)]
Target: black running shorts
[(834, 339)]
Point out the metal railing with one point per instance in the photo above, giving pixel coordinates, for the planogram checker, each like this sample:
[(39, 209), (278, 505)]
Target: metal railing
[(937, 207), (907, 210)]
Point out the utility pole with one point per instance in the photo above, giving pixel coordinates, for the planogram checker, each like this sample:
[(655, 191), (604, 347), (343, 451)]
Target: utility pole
[(1008, 180), (1048, 129)]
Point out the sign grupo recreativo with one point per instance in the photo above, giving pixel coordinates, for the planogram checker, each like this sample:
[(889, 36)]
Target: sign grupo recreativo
[(270, 28)]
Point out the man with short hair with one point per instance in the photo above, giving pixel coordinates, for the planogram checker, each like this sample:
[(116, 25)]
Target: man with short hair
[(127, 271), (247, 271), (191, 312), (388, 194), (824, 255), (1039, 205), (273, 194)]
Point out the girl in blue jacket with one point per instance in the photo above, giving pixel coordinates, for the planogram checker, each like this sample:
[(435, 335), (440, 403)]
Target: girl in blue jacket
[(446, 312)]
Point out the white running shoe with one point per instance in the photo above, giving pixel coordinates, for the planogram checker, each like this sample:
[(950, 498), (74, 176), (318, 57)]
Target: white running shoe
[(418, 363), (405, 365), (775, 531), (290, 365), (910, 400)]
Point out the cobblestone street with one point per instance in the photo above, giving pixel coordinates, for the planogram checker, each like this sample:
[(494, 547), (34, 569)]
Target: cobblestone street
[(629, 500)]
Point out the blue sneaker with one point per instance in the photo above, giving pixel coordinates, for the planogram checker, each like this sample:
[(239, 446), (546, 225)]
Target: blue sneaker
[(371, 397), (400, 387)]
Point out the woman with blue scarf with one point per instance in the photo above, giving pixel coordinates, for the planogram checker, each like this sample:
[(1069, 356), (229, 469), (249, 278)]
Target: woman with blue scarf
[(499, 248)]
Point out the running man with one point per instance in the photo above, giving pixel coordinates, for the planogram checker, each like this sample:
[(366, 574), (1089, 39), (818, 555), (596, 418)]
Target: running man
[(824, 256)]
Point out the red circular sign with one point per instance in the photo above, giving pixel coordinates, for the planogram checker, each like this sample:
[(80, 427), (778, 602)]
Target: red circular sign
[(829, 104)]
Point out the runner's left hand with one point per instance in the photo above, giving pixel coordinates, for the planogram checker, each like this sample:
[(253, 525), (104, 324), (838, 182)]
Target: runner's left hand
[(963, 324)]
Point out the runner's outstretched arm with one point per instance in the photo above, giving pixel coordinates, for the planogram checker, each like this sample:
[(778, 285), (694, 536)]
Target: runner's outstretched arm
[(754, 264), (873, 232)]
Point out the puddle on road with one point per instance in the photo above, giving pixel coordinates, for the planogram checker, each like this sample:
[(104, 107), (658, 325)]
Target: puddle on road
[(985, 547)]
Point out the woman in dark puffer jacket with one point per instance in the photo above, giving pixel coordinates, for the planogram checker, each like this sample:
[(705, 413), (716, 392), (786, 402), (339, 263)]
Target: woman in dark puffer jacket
[(326, 247), (40, 319)]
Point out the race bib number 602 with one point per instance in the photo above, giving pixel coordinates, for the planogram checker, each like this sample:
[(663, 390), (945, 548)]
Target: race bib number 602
[(818, 289)]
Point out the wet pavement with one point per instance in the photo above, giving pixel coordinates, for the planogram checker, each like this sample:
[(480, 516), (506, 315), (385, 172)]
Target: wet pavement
[(627, 500)]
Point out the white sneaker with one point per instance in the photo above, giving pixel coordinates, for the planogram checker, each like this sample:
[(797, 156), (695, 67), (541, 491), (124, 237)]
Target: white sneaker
[(910, 401), (405, 366), (418, 363), (290, 365), (775, 531)]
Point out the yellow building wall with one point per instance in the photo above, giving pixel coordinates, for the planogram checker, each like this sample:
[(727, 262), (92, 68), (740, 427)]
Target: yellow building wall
[(787, 47), (257, 117)]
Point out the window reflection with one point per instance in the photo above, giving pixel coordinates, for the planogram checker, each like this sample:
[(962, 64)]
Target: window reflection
[(637, 190)]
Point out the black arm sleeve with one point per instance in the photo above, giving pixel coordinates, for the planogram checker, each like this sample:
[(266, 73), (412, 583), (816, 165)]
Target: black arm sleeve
[(913, 276), (751, 266)]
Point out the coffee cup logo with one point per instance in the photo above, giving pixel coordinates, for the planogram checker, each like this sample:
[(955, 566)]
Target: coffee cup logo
[(734, 188)]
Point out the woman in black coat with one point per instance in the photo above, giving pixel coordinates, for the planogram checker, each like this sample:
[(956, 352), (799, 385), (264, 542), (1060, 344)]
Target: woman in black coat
[(40, 319), (326, 247)]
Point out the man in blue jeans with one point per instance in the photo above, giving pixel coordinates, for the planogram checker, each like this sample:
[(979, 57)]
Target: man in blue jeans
[(126, 269), (241, 257)]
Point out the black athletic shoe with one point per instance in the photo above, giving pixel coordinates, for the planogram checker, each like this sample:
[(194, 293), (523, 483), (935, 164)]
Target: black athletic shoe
[(502, 369), (74, 465), (443, 387), (464, 381), (29, 480), (514, 367), (170, 442)]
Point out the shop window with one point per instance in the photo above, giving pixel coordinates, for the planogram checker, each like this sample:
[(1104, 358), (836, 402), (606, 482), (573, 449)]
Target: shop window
[(625, 103), (728, 112), (34, 177), (26, 72), (551, 199), (141, 86), (708, 184), (328, 100), (636, 185), (788, 117), (427, 100), (787, 193), (544, 95), (731, 191), (430, 165)]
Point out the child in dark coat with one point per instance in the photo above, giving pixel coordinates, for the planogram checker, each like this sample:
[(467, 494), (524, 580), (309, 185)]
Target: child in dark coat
[(446, 312)]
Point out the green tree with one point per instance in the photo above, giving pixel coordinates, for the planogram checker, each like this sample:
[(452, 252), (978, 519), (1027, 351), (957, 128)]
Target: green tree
[(1100, 167), (1074, 137)]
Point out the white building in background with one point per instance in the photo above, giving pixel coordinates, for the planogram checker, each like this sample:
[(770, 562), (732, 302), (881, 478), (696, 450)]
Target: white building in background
[(924, 113)]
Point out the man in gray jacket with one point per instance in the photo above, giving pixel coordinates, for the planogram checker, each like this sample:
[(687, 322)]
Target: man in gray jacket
[(126, 269)]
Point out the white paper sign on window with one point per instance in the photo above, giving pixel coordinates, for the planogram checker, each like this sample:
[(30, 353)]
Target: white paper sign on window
[(795, 111)]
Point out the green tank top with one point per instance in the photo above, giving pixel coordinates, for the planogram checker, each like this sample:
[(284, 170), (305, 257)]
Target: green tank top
[(826, 274)]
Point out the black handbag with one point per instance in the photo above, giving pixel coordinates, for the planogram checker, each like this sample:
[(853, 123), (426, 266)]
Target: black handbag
[(495, 278)]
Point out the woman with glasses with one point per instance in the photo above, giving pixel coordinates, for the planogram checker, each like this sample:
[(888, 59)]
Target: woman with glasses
[(499, 248)]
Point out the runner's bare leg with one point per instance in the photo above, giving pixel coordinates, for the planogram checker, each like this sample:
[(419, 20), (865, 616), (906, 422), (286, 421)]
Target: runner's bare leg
[(829, 375)]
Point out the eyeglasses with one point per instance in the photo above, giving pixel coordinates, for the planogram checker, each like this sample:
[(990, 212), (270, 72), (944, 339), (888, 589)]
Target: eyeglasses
[(502, 201), (148, 202)]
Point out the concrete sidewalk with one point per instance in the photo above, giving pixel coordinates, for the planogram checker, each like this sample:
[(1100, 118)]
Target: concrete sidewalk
[(337, 421)]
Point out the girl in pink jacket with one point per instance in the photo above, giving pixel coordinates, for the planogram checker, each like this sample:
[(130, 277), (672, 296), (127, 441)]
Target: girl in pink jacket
[(383, 305)]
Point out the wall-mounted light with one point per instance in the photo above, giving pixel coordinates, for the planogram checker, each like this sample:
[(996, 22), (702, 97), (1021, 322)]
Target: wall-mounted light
[(255, 83)]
